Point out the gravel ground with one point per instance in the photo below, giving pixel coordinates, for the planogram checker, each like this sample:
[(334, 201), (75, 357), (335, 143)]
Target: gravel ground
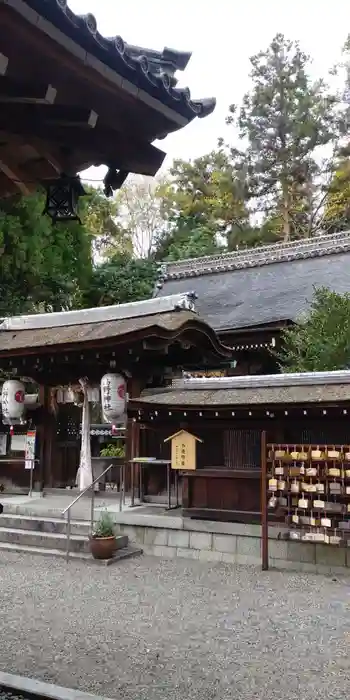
[(152, 629)]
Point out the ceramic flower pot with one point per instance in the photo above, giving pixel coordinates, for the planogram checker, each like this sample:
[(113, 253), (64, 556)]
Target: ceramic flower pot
[(102, 547)]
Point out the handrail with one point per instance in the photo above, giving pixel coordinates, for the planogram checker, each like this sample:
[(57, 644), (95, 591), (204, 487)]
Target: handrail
[(68, 509), (95, 481)]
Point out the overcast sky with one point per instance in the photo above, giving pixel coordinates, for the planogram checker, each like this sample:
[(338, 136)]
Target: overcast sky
[(222, 36)]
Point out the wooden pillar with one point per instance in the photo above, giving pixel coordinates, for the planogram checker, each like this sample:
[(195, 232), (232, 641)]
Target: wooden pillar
[(132, 434), (128, 453), (46, 434)]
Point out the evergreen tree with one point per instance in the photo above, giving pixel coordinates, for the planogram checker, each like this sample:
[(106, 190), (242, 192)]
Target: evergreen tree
[(42, 267), (284, 119), (336, 214), (202, 205), (120, 280), (322, 341)]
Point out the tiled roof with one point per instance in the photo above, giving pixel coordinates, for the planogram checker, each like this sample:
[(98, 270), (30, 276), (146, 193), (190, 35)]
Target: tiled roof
[(243, 391), (116, 312), (261, 285), (152, 71), (245, 397), (168, 325)]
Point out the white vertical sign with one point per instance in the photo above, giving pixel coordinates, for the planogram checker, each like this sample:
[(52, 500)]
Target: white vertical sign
[(30, 449)]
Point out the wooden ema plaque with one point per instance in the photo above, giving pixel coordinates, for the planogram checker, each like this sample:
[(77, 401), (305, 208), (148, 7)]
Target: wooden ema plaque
[(310, 485), (183, 450)]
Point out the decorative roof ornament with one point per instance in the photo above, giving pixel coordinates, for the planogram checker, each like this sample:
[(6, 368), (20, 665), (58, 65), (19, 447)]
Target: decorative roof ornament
[(152, 71), (113, 180), (161, 271)]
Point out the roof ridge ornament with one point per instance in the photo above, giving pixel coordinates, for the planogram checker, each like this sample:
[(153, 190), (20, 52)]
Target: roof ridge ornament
[(256, 257)]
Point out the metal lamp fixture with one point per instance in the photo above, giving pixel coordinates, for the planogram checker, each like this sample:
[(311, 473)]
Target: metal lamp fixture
[(62, 196)]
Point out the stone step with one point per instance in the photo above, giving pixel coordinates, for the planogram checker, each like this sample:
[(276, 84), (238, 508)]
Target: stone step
[(120, 554), (40, 509), (50, 540), (44, 524), (52, 507)]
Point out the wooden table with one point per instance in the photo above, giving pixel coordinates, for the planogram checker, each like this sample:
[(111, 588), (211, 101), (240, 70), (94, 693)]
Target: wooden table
[(154, 462)]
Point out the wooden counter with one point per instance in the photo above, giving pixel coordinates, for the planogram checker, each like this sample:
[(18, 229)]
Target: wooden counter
[(222, 494)]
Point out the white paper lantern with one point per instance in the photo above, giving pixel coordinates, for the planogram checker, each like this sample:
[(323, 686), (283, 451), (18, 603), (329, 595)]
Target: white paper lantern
[(113, 396), (12, 400)]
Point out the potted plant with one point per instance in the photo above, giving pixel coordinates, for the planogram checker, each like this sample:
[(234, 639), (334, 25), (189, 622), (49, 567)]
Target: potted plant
[(102, 540), (113, 450), (109, 454)]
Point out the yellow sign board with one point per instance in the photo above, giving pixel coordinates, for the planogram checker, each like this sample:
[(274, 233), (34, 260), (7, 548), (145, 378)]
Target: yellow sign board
[(183, 450)]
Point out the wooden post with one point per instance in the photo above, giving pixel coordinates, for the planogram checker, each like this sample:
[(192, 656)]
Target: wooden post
[(46, 434), (135, 387), (264, 514)]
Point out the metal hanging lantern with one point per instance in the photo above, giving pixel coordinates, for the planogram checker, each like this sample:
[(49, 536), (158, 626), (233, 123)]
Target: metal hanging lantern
[(62, 196)]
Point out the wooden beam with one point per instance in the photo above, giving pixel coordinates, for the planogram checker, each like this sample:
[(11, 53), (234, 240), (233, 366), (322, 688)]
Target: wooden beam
[(39, 169), (79, 82), (26, 93), (51, 114), (83, 118), (41, 148), (3, 64), (154, 345), (52, 40), (15, 175), (7, 189), (107, 146)]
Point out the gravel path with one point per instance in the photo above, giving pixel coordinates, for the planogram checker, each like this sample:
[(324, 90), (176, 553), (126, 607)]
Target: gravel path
[(152, 629)]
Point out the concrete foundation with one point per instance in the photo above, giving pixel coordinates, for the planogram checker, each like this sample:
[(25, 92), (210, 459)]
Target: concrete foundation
[(167, 534), (232, 543)]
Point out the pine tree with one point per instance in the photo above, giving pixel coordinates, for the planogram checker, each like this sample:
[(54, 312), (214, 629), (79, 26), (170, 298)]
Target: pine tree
[(284, 119)]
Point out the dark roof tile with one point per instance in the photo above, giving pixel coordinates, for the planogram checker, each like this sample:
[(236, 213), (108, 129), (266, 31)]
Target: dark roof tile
[(151, 71), (262, 285)]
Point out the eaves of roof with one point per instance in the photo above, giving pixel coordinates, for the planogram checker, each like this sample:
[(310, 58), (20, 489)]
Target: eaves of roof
[(170, 325), (265, 396), (149, 70)]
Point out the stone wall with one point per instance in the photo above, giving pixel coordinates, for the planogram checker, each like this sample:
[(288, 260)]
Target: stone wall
[(234, 543)]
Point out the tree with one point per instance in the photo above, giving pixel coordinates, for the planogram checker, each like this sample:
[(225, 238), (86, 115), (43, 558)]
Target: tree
[(284, 119), (336, 215), (120, 280), (322, 341), (99, 215), (202, 204), (336, 194), (42, 267), (187, 242), (139, 218)]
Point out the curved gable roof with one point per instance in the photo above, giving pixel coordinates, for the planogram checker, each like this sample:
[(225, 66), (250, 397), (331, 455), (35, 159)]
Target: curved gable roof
[(168, 318)]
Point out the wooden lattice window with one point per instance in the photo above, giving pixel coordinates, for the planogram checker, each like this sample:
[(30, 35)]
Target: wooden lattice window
[(242, 449)]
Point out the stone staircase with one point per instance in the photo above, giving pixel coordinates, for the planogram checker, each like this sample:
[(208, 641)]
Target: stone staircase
[(33, 534)]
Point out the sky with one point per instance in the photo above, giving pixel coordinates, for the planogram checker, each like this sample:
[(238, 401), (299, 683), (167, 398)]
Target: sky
[(222, 35)]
